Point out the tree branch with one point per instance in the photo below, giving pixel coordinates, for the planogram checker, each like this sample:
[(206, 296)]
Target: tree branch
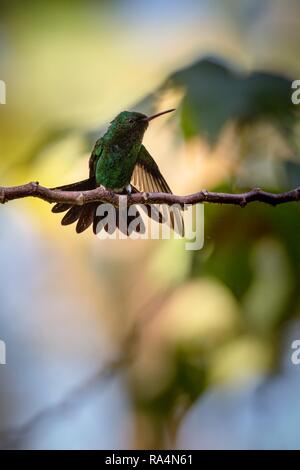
[(102, 195)]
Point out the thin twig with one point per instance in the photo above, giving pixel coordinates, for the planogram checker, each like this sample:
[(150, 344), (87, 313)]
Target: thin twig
[(13, 437)]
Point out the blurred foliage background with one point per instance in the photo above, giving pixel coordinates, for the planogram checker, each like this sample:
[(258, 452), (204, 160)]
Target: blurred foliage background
[(203, 338)]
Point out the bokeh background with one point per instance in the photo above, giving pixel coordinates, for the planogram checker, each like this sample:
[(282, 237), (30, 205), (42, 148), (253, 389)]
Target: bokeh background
[(142, 344)]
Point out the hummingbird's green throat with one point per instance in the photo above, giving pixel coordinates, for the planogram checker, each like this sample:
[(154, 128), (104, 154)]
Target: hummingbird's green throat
[(118, 162)]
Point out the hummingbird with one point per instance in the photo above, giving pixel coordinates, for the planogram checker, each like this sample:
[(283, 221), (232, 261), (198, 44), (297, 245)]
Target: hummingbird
[(121, 163)]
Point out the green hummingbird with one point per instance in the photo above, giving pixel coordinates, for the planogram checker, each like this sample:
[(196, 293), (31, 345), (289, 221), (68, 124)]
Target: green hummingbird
[(119, 162)]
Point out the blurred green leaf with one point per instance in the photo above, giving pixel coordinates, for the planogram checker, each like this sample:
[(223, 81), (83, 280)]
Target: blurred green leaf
[(292, 171), (216, 94)]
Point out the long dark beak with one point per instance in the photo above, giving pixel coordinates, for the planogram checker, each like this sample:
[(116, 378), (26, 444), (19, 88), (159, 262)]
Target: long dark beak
[(157, 115)]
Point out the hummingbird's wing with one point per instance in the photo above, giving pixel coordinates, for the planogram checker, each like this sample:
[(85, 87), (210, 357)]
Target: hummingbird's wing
[(96, 154), (148, 178)]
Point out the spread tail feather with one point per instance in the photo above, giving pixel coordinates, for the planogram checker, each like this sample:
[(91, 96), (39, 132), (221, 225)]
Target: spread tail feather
[(87, 215), (126, 223), (84, 185)]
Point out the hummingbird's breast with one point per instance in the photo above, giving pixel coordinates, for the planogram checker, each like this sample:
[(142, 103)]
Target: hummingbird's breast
[(116, 164)]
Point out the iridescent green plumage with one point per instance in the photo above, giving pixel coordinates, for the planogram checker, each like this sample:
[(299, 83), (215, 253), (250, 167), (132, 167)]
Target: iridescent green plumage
[(118, 150), (118, 159)]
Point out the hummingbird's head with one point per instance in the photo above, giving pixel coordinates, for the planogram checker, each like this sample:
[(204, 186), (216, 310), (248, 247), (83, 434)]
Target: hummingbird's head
[(130, 122), (132, 125)]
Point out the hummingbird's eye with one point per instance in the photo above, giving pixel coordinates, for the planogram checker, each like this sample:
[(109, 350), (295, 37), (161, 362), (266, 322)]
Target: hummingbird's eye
[(131, 121)]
